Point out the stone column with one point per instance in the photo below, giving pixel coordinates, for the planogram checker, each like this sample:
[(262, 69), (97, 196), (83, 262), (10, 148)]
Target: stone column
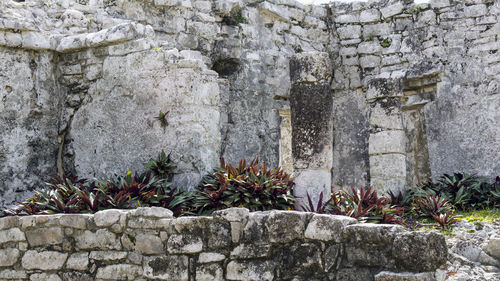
[(311, 106), (387, 143)]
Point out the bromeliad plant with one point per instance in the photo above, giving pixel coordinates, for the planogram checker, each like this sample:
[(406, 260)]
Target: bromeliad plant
[(73, 195), (251, 186)]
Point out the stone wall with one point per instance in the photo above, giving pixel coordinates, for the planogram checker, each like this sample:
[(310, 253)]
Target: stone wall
[(234, 244), (418, 85), (415, 87), (112, 73)]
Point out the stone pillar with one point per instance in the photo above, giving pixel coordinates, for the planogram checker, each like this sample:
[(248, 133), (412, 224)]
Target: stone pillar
[(311, 106), (387, 143), (286, 157)]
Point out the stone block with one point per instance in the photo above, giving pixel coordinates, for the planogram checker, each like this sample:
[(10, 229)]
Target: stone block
[(475, 10), (300, 260), (11, 235), (250, 251), (209, 272), (310, 67), (210, 257), (35, 40), (250, 270), (312, 126), (418, 251), (386, 114), (78, 221), (107, 255), (44, 277), (348, 18), (8, 222), (370, 244), (184, 244), (149, 244), (46, 260), (369, 61), (392, 10), (286, 226), (174, 3), (102, 239), (349, 32), (384, 184), (119, 272), (12, 274), (404, 276), (174, 268), (152, 212), (388, 166), (71, 43), (218, 234), (148, 223), (369, 15), (8, 257), (312, 182), (372, 233), (78, 261), (327, 227), (107, 218), (384, 142), (255, 230), (370, 47), (119, 33), (493, 247), (45, 236), (332, 256), (374, 30)]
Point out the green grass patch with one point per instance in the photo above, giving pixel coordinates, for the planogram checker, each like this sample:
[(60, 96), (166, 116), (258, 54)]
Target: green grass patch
[(486, 215)]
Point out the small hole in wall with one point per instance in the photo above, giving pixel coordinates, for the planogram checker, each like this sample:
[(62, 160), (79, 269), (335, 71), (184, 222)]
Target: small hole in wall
[(226, 67), (8, 88)]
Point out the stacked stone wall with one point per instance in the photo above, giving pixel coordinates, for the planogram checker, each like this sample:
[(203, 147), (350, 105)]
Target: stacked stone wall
[(415, 90), (233, 244)]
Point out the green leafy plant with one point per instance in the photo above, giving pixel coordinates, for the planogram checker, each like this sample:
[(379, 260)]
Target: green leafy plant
[(252, 186), (445, 220), (321, 207), (464, 191), (162, 167), (162, 117), (433, 205), (386, 43), (73, 195)]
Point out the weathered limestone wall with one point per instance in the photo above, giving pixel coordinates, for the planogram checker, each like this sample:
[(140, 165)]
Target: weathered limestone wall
[(30, 105), (415, 86), (148, 243), (113, 124), (106, 52), (416, 90)]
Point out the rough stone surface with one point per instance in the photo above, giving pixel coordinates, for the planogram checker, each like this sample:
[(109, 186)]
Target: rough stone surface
[(408, 249), (45, 236), (79, 75), (46, 260), (274, 245), (9, 257)]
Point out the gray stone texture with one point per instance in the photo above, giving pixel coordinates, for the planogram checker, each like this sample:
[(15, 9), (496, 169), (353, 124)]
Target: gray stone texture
[(81, 83), (291, 246)]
